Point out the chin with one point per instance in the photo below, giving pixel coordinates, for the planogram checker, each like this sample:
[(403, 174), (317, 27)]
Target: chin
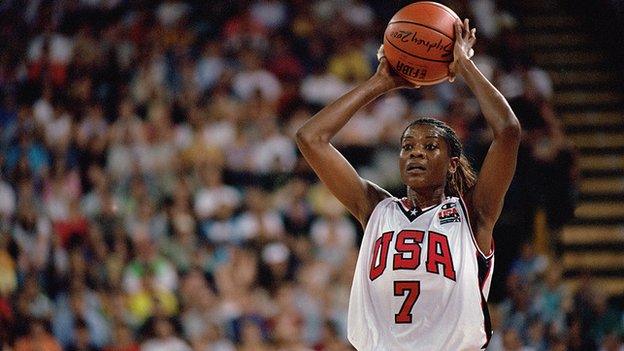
[(417, 183)]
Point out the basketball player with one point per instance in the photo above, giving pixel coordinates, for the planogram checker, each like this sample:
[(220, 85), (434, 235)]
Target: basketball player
[(423, 272)]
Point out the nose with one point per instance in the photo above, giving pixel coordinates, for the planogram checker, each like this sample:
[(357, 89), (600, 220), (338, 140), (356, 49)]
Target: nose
[(417, 152)]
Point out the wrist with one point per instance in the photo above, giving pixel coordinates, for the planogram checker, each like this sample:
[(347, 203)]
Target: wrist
[(463, 64), (380, 84)]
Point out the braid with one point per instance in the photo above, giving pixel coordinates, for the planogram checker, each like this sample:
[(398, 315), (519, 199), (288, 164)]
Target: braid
[(464, 178)]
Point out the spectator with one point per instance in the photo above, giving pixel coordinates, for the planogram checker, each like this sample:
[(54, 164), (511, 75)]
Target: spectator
[(516, 309), (7, 202), (49, 55), (529, 265), (349, 64), (82, 338), (321, 87), (270, 13), (333, 234), (260, 222), (27, 157), (164, 337), (553, 300), (37, 339), (254, 79), (210, 66), (149, 267), (214, 194), (78, 313), (512, 342), (612, 342), (331, 339), (150, 299), (274, 153), (8, 276), (32, 234), (123, 340), (251, 337), (606, 319)]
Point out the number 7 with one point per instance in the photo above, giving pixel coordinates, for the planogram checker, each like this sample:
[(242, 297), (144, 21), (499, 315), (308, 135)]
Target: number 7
[(412, 287)]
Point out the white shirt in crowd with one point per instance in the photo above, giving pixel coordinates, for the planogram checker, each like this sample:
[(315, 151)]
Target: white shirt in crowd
[(246, 83), (169, 344), (209, 200)]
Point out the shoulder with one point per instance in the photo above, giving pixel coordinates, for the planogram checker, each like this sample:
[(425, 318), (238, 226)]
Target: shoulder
[(375, 192), (385, 203), (374, 195), (481, 222)]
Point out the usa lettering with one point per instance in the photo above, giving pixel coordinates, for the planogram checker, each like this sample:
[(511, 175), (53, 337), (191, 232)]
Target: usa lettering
[(408, 253)]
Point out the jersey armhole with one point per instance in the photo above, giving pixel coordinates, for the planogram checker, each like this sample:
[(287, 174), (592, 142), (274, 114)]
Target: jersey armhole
[(472, 236), (376, 209), (381, 193)]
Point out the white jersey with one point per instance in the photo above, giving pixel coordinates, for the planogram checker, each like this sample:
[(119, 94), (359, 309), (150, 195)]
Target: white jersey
[(421, 282)]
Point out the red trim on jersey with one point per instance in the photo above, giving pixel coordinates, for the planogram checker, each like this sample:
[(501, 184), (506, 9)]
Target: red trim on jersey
[(410, 211), (472, 236), (406, 203), (487, 267), (484, 268), (487, 274), (487, 322)]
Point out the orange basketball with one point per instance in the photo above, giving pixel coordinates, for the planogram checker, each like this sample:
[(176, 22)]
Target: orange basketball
[(419, 40)]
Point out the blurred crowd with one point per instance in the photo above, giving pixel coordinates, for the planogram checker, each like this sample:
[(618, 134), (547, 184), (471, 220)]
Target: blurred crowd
[(152, 198)]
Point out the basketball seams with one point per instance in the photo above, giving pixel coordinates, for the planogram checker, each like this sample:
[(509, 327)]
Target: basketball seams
[(436, 5), (440, 6)]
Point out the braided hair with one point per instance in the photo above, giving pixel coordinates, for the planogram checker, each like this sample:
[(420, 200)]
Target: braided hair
[(464, 178)]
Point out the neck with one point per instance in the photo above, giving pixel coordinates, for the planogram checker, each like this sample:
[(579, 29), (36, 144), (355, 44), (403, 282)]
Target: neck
[(425, 197)]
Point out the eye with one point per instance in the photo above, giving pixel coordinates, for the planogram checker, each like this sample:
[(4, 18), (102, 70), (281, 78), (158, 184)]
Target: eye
[(407, 147), (431, 146)]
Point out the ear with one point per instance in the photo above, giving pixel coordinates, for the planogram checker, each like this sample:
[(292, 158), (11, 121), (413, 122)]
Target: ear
[(453, 164)]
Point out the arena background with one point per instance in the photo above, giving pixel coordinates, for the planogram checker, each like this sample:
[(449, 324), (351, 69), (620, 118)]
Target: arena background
[(151, 195)]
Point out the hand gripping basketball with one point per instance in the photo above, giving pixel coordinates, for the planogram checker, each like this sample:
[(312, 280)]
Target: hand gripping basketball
[(464, 40), (384, 69)]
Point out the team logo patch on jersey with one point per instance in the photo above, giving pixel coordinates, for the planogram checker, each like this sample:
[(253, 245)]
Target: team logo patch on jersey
[(448, 214), (449, 205)]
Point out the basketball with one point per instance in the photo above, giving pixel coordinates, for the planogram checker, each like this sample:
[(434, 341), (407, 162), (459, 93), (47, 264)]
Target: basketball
[(419, 40)]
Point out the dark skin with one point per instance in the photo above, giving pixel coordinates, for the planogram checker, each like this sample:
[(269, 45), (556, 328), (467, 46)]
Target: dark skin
[(422, 145), (424, 163)]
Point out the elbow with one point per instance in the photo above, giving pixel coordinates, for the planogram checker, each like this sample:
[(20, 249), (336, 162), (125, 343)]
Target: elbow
[(305, 137), (302, 137), (512, 131)]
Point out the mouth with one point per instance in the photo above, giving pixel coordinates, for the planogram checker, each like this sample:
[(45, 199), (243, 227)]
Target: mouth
[(415, 169)]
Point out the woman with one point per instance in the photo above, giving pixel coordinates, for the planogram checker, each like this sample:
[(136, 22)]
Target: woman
[(422, 277)]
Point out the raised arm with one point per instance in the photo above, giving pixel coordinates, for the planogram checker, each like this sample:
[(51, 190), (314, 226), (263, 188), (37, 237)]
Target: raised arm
[(486, 198), (358, 195)]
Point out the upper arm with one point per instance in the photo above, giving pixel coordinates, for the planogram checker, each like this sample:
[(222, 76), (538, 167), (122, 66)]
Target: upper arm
[(358, 195), (487, 196)]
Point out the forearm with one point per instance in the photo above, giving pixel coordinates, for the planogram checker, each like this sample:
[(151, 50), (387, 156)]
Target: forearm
[(494, 106), (327, 122)]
